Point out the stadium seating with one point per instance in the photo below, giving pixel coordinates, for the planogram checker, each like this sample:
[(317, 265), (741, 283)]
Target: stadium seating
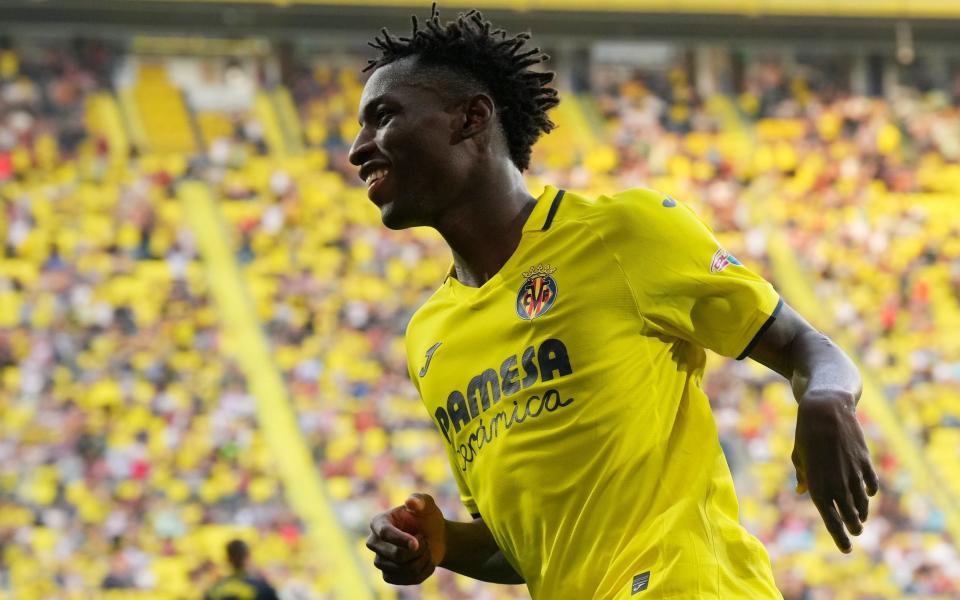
[(377, 448), (133, 429), (131, 452), (869, 254)]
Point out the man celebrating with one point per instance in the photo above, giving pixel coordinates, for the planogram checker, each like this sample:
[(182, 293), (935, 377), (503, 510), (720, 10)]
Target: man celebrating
[(562, 357)]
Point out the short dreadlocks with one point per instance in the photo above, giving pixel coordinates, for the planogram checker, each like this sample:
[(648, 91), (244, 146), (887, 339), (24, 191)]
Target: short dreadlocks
[(497, 62)]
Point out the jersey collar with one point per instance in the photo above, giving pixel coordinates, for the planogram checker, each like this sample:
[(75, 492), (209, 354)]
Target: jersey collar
[(546, 208), (540, 218)]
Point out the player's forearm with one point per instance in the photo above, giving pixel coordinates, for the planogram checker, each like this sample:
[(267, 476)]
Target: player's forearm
[(472, 551), (817, 365)]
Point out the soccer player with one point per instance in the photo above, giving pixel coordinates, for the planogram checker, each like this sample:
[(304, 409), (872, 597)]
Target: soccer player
[(240, 584), (561, 359)]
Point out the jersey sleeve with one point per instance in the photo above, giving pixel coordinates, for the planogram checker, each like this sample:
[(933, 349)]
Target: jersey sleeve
[(685, 285), (466, 497)]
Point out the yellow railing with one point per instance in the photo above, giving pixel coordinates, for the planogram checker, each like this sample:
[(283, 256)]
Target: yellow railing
[(266, 113), (131, 116), (722, 107), (302, 483), (103, 118), (289, 119)]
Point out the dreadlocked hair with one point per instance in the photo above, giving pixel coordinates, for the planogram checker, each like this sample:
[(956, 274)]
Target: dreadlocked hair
[(500, 63)]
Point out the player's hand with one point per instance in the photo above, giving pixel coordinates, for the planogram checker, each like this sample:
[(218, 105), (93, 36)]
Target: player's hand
[(833, 463), (409, 541)]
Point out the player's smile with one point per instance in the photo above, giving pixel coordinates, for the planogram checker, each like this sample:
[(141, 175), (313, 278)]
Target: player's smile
[(379, 172), (375, 174)]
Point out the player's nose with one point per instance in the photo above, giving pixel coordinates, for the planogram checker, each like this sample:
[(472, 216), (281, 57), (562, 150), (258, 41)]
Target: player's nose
[(362, 149)]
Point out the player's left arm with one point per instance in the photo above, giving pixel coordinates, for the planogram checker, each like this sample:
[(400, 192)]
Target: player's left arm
[(829, 453)]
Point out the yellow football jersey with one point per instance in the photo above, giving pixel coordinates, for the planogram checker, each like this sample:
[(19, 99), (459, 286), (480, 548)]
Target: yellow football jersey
[(567, 391)]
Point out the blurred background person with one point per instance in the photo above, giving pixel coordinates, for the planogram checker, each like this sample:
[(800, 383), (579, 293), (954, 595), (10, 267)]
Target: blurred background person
[(241, 583)]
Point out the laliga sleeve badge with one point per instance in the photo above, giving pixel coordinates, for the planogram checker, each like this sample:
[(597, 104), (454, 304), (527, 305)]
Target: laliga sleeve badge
[(538, 292), (721, 260)]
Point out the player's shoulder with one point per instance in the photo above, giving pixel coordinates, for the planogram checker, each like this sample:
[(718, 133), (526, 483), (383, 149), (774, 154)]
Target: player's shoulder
[(629, 201), (637, 211)]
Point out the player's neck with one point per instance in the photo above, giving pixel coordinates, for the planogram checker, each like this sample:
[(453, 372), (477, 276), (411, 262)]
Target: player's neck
[(484, 230)]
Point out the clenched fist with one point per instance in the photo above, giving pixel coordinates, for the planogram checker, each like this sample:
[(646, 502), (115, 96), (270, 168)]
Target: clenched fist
[(409, 541)]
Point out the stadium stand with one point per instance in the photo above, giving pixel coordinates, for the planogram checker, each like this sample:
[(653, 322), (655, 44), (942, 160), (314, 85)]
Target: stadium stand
[(130, 449), (803, 190), (121, 400), (754, 410)]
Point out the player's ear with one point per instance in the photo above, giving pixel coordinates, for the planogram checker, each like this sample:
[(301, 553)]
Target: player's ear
[(478, 114)]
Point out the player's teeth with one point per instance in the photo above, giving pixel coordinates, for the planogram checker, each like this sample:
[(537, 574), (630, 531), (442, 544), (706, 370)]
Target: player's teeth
[(376, 175)]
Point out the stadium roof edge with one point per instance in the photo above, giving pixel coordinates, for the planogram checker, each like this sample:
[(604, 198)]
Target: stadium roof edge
[(290, 19), (892, 9)]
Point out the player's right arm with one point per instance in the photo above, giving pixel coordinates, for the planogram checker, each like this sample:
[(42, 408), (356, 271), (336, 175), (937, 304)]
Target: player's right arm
[(476, 554), (410, 541)]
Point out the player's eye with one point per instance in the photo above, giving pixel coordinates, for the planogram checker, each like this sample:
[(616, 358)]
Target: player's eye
[(383, 116)]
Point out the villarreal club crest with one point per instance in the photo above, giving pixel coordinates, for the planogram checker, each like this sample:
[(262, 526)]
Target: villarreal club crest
[(538, 292)]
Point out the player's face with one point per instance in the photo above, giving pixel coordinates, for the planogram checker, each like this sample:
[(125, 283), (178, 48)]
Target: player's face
[(406, 147)]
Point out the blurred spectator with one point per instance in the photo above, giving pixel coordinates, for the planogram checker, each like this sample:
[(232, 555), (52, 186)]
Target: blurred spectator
[(240, 584)]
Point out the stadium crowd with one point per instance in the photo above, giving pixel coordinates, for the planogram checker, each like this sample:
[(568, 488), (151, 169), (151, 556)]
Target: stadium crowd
[(820, 165), (130, 451), (129, 433), (379, 448)]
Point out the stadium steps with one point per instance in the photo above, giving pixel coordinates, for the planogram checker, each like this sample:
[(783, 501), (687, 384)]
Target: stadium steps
[(574, 140), (724, 110), (798, 290), (584, 118), (943, 448), (212, 125), (103, 118), (304, 488), (163, 112), (131, 118), (289, 119), (589, 114), (265, 110)]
